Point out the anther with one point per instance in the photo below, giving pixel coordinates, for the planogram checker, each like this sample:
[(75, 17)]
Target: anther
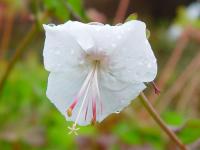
[(69, 112), (70, 109)]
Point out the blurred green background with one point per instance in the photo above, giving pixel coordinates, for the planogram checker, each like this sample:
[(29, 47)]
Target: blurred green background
[(28, 120)]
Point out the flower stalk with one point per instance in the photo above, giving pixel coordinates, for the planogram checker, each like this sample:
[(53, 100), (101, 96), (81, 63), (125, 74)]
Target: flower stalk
[(148, 106)]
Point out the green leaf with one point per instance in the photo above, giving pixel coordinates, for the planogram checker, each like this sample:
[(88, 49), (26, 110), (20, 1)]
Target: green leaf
[(190, 131), (77, 6), (57, 8), (127, 133), (173, 118), (132, 16)]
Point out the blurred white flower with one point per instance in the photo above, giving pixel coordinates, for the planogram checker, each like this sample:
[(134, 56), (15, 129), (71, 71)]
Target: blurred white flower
[(193, 11), (175, 31), (96, 69)]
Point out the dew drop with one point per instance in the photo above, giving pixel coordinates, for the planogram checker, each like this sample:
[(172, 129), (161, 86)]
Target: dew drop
[(117, 112), (123, 101), (128, 29), (81, 62), (72, 52), (136, 75), (140, 63), (51, 25), (113, 45), (58, 65), (100, 48), (57, 52), (119, 37), (149, 65), (97, 29), (96, 23), (119, 24)]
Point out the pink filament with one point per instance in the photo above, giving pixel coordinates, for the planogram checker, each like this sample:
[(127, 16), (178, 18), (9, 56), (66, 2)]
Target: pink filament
[(94, 109), (73, 104), (86, 111)]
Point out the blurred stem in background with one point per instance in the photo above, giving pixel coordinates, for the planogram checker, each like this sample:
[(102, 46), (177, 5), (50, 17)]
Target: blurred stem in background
[(121, 11), (19, 51), (160, 122), (6, 34), (27, 39), (165, 100), (169, 94)]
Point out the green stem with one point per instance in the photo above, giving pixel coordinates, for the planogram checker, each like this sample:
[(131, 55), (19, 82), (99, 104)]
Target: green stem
[(16, 55), (160, 122)]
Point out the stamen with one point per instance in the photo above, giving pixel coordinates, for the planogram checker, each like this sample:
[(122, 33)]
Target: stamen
[(93, 111), (69, 112), (70, 109), (86, 110), (90, 83), (73, 128), (97, 90), (93, 121), (156, 88)]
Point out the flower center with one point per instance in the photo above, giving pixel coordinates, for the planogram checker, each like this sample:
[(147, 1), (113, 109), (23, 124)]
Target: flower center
[(89, 94)]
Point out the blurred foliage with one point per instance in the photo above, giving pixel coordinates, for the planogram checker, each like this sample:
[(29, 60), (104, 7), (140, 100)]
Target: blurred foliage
[(133, 16), (25, 104), (190, 131), (184, 19), (61, 8)]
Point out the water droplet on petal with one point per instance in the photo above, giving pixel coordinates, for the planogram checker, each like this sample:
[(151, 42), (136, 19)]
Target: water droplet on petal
[(119, 37), (81, 62), (113, 45), (136, 75), (96, 23), (58, 65), (97, 29), (51, 25), (107, 35), (119, 24), (72, 52), (149, 65), (128, 29), (117, 112), (123, 101), (100, 48), (57, 52), (140, 63)]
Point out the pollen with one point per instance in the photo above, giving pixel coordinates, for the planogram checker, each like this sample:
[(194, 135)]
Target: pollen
[(69, 112)]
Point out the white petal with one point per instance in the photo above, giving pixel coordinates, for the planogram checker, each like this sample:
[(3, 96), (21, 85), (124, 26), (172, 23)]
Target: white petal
[(134, 61), (106, 37), (62, 90), (61, 49), (114, 101), (80, 32)]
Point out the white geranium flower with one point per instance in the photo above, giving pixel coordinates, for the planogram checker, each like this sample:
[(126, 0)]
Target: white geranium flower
[(96, 69)]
